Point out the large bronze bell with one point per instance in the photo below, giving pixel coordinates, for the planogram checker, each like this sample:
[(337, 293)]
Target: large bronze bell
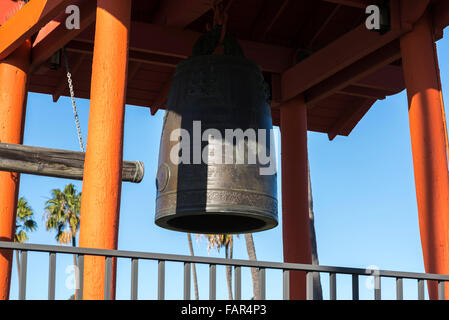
[(205, 184)]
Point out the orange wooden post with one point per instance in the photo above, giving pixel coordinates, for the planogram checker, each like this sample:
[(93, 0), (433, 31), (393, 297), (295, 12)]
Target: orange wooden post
[(428, 136), (295, 205), (13, 92), (103, 163)]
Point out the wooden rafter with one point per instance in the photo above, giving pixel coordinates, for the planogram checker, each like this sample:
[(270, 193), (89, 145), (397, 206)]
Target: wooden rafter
[(362, 4), (161, 99), (441, 17), (355, 72), (180, 13), (55, 35), (263, 24), (171, 45), (349, 119), (132, 70), (134, 55), (334, 58), (363, 92), (389, 78), (323, 25), (27, 21)]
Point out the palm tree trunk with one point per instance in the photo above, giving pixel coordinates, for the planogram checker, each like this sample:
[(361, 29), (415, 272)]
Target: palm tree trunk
[(195, 279), (228, 253), (252, 256), (317, 290)]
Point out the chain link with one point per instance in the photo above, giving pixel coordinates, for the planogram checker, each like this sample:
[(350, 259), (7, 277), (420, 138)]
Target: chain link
[(72, 96)]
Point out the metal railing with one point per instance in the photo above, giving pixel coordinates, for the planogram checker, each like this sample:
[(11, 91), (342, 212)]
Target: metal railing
[(261, 266)]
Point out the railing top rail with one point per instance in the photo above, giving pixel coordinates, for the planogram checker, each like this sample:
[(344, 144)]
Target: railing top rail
[(218, 261)]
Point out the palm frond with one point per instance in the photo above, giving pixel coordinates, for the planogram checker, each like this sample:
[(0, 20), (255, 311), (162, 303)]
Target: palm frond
[(62, 213), (24, 220)]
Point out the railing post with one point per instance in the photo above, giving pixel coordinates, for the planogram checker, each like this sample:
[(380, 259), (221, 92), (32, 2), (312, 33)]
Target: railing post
[(399, 289), (79, 290), (286, 284), (51, 276), (420, 289), (377, 288), (441, 290), (134, 278), (212, 282), (108, 278), (186, 281), (355, 287), (262, 284), (332, 286), (161, 280), (237, 283), (309, 285), (23, 275)]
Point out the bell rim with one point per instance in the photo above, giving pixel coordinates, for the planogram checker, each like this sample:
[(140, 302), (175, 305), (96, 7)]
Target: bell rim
[(270, 220)]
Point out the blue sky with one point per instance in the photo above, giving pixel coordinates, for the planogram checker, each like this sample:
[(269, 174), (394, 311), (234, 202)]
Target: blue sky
[(363, 189)]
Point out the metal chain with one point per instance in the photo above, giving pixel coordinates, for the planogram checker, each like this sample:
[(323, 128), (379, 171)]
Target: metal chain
[(72, 96)]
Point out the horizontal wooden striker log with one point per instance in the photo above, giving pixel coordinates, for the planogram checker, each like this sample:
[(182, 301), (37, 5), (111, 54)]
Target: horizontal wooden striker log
[(56, 163)]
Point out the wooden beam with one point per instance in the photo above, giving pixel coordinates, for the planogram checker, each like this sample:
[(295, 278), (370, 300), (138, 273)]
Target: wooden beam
[(275, 90), (362, 4), (180, 13), (177, 43), (161, 99), (323, 25), (55, 35), (133, 69), (389, 78), (134, 55), (335, 57), (268, 16), (27, 21), (363, 92), (56, 163), (355, 72), (440, 17), (349, 119)]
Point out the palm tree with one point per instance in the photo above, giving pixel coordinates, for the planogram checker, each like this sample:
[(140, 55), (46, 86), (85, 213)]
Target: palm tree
[(62, 213), (24, 223), (195, 279), (317, 290), (218, 241), (252, 256)]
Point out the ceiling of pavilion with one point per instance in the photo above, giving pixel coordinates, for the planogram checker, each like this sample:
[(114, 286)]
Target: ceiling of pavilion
[(318, 49)]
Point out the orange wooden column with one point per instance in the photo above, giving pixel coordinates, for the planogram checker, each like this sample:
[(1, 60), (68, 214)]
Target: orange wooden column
[(295, 205), (428, 136), (100, 204), (13, 92)]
